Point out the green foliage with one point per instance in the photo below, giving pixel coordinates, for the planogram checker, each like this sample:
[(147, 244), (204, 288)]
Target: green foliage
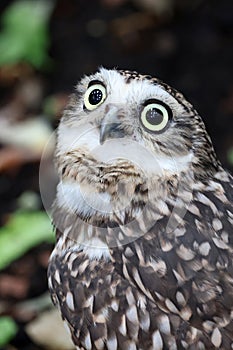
[(230, 156), (23, 231), (8, 329), (25, 35)]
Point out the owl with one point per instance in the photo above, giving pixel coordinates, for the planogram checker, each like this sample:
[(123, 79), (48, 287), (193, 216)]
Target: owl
[(144, 220)]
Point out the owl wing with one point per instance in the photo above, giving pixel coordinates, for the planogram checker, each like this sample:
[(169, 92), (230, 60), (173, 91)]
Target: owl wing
[(189, 272)]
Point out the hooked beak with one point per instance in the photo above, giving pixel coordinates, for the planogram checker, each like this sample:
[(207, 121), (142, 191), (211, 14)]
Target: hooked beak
[(110, 126)]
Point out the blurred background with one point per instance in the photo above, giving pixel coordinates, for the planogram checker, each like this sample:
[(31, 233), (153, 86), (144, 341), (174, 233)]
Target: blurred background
[(45, 47)]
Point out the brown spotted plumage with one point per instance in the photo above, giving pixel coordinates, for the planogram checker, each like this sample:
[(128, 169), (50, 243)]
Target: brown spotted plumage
[(144, 220)]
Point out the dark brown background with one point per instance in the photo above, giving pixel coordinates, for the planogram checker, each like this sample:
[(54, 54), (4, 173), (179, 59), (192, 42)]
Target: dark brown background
[(190, 47)]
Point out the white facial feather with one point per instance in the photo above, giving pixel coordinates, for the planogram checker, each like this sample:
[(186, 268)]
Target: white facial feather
[(135, 92), (71, 137), (87, 137)]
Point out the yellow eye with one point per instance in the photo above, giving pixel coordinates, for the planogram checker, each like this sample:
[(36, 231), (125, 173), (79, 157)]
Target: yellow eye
[(95, 95), (155, 116)]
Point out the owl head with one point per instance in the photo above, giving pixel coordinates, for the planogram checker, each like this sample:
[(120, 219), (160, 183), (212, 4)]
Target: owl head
[(124, 134)]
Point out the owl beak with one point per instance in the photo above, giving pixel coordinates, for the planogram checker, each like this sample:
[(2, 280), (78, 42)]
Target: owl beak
[(110, 127)]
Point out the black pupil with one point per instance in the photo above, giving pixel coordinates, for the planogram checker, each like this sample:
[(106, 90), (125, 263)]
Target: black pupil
[(154, 116), (95, 97)]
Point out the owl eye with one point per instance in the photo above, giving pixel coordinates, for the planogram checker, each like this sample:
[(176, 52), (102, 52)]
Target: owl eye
[(155, 116), (95, 95)]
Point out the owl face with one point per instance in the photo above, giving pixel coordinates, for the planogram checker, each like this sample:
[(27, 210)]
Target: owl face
[(124, 106), (123, 128)]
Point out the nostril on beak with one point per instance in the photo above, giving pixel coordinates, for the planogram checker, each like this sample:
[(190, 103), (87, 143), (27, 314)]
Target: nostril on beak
[(110, 126), (110, 131)]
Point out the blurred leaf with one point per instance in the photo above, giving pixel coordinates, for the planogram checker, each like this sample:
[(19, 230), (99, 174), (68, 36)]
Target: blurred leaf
[(29, 201), (30, 135), (230, 156), (25, 35), (23, 231), (8, 329), (39, 330)]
